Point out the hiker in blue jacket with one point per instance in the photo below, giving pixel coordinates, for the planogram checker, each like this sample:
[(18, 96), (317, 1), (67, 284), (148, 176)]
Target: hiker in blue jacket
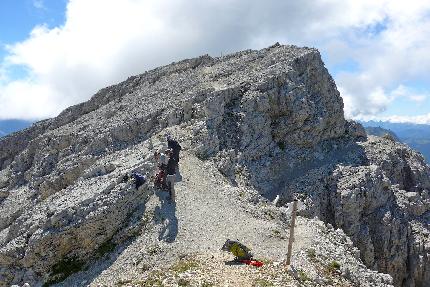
[(139, 179)]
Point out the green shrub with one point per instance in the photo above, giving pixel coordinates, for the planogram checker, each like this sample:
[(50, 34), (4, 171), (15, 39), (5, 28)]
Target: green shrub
[(63, 269), (281, 145), (303, 277), (311, 253), (262, 283), (333, 267)]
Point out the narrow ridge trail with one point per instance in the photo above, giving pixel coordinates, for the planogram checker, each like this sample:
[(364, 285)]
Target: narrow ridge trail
[(208, 210)]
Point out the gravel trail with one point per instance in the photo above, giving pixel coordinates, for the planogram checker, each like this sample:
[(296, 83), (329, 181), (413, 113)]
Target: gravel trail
[(208, 210)]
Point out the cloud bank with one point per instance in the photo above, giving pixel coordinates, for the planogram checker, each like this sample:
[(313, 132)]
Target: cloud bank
[(103, 42)]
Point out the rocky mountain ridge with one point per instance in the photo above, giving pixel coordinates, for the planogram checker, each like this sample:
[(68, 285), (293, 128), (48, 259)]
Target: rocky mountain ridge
[(381, 132), (269, 121)]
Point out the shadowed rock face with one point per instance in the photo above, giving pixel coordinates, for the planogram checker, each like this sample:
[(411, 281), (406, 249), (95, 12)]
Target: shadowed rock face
[(377, 191), (270, 119)]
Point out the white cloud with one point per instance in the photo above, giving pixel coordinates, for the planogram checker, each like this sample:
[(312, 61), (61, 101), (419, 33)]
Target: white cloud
[(103, 42), (396, 55), (38, 4), (403, 91), (26, 99), (369, 100)]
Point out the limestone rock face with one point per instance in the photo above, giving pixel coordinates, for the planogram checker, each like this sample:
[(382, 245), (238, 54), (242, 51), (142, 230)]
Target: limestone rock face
[(269, 120), (377, 192)]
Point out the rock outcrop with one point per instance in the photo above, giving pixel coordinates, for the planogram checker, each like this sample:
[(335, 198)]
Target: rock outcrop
[(270, 121)]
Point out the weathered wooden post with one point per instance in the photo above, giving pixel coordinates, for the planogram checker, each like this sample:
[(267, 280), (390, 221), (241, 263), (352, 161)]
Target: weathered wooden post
[(291, 239)]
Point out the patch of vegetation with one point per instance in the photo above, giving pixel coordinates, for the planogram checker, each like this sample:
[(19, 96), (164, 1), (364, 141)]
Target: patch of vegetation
[(154, 249), (303, 277), (207, 284), (333, 266), (281, 145), (155, 279), (123, 282), (183, 282), (262, 283), (184, 265), (270, 214), (63, 269), (145, 267), (150, 282), (278, 234), (105, 248), (311, 253)]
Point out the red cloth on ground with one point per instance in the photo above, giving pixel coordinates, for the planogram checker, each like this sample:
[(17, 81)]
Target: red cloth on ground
[(252, 262)]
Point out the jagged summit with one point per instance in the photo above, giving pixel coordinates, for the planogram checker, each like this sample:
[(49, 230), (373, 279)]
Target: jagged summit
[(253, 125)]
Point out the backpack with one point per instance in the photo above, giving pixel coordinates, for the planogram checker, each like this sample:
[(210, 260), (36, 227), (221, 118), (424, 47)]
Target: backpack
[(138, 178), (239, 250)]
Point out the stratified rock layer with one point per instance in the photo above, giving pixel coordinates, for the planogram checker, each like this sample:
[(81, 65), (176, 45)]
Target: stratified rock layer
[(271, 120)]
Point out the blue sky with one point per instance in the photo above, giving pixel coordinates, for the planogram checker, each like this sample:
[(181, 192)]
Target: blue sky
[(55, 53), (17, 20), (19, 17)]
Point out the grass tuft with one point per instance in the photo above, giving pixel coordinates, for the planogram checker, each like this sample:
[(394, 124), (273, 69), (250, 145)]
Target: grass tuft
[(184, 265), (311, 253), (333, 266), (303, 277)]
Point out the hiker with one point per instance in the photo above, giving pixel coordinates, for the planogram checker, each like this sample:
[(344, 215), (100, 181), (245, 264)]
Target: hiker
[(139, 179), (160, 158), (171, 176), (240, 251), (173, 145), (160, 177)]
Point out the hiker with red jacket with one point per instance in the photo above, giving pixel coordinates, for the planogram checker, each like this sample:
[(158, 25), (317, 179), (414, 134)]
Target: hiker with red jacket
[(160, 176)]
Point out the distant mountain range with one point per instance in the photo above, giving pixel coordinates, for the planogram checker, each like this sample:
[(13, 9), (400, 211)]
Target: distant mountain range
[(10, 126), (415, 135)]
